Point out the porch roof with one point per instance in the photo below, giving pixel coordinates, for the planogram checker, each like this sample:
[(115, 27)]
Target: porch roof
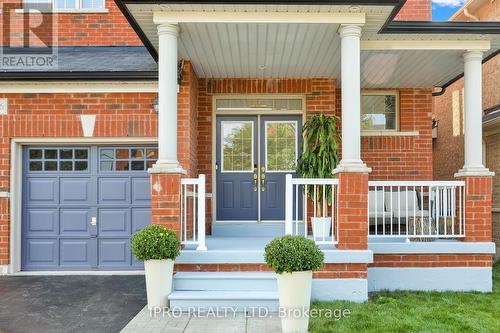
[(307, 49)]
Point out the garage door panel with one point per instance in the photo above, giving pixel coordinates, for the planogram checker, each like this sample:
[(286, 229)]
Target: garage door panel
[(141, 191), (42, 191), (77, 214), (75, 191), (75, 221), (75, 252), (41, 252), (114, 191), (141, 217), (114, 221), (41, 221), (114, 252)]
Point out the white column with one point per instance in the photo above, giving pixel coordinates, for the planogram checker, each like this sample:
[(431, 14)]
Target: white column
[(473, 116), (167, 100), (351, 100)]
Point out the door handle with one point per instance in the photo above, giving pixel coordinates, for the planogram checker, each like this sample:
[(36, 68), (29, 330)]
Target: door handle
[(255, 177), (93, 221)]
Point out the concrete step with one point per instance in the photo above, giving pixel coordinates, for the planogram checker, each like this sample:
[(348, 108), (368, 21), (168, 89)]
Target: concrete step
[(232, 301), (249, 229), (225, 281)]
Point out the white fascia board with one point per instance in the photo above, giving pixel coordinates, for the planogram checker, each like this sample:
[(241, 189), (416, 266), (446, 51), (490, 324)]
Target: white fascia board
[(437, 247), (418, 44), (12, 87), (161, 17)]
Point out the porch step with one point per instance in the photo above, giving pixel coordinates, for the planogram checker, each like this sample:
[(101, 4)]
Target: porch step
[(249, 229), (239, 291), (225, 281), (238, 301)]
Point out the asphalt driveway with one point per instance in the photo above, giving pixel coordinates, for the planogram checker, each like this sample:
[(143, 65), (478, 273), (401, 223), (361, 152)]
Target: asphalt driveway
[(69, 303)]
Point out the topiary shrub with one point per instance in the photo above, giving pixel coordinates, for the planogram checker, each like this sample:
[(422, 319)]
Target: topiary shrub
[(293, 254), (155, 242)]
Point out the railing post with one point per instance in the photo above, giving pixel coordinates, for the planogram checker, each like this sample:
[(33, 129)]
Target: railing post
[(288, 204), (201, 213)]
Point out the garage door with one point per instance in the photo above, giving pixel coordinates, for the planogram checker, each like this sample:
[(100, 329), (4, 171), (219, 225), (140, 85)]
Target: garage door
[(81, 205)]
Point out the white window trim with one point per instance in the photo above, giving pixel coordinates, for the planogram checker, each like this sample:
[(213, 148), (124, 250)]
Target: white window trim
[(77, 9), (385, 131)]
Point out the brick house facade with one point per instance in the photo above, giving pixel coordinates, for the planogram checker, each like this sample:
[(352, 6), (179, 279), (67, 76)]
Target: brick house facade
[(127, 113), (448, 147)]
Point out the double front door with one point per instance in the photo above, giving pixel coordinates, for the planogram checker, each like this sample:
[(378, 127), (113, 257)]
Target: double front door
[(253, 155)]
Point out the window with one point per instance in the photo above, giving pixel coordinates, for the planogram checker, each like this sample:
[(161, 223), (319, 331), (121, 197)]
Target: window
[(379, 111), (127, 159), (281, 146), (260, 104), (58, 159), (237, 146), (67, 4)]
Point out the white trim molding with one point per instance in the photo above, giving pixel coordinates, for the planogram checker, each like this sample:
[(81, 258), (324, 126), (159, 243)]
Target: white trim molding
[(432, 44), (88, 124), (430, 278), (30, 87), (162, 17)]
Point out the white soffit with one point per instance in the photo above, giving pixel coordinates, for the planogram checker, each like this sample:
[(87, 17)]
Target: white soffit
[(299, 50)]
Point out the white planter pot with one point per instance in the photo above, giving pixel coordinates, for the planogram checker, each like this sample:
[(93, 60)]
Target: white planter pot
[(294, 290), (319, 224), (158, 281)]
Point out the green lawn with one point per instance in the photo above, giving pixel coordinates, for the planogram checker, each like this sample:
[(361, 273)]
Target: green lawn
[(417, 312)]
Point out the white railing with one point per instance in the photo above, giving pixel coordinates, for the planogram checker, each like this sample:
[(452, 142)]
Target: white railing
[(193, 212), (321, 209), (416, 209)]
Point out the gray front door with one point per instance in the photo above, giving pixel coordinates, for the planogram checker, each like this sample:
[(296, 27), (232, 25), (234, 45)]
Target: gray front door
[(81, 205), (253, 155)]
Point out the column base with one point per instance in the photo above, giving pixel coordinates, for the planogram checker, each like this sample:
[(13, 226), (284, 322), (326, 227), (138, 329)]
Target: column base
[(352, 166), (474, 171), (167, 167)]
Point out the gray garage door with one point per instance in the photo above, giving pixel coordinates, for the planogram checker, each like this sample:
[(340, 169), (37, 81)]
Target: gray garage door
[(81, 204)]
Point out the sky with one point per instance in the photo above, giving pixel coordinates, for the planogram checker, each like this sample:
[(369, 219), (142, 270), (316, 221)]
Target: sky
[(443, 9)]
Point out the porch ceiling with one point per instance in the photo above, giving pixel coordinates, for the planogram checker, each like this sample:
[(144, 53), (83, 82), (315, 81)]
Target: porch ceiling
[(278, 50)]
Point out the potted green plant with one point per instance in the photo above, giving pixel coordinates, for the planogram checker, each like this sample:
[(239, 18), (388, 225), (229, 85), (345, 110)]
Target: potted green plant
[(294, 258), (158, 247), (318, 159)]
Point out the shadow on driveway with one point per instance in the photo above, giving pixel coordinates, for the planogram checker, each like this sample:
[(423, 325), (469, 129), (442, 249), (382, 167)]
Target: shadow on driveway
[(69, 303)]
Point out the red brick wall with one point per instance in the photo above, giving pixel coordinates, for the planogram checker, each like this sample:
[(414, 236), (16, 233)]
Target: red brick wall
[(187, 111), (478, 216), (57, 115), (82, 28), (415, 10), (353, 211), (431, 260), (400, 157), (328, 271)]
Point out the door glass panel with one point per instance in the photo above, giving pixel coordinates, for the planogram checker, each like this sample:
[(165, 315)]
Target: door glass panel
[(237, 146), (281, 145)]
